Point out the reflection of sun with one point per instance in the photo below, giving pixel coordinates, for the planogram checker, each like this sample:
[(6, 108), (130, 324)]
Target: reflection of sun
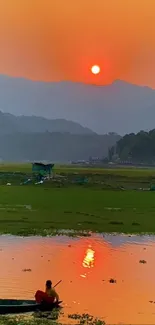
[(88, 260)]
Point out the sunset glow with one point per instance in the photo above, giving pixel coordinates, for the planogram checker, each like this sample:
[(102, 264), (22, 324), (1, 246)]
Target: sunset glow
[(59, 40)]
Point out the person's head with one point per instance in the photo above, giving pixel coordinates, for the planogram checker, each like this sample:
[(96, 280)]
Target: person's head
[(48, 284)]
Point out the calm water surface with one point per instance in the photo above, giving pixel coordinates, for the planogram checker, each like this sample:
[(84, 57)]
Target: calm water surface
[(85, 265)]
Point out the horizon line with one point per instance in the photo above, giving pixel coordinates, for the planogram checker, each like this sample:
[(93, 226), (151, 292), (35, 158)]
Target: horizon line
[(75, 82)]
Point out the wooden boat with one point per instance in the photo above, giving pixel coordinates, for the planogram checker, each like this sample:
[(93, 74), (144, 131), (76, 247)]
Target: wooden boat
[(14, 306)]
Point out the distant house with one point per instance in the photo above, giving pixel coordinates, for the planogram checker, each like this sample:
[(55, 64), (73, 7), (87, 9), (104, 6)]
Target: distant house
[(95, 161), (43, 170)]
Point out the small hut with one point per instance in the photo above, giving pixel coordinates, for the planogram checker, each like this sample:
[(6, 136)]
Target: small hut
[(42, 170)]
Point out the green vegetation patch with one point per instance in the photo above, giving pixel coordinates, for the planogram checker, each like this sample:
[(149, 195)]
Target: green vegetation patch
[(110, 200), (29, 210), (45, 319)]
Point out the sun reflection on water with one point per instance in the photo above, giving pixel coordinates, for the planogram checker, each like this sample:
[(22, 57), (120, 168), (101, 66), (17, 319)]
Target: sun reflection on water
[(88, 260)]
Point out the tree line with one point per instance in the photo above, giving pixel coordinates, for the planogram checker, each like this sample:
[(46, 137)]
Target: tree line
[(133, 147)]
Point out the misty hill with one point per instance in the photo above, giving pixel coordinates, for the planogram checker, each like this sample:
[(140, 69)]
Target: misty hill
[(56, 147), (27, 124), (120, 107)]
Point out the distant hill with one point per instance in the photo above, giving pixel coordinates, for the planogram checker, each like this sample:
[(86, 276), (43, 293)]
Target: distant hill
[(57, 147), (37, 138), (31, 124), (120, 107)]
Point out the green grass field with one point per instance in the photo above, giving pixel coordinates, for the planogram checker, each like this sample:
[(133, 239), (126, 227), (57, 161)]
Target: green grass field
[(44, 209), (39, 210)]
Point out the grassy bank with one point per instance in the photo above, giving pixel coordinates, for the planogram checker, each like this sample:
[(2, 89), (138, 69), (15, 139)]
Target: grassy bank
[(41, 210)]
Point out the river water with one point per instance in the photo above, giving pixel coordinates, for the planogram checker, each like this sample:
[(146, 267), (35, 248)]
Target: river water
[(85, 265)]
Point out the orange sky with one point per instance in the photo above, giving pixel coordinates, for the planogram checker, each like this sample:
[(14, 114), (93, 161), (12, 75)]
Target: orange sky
[(61, 39)]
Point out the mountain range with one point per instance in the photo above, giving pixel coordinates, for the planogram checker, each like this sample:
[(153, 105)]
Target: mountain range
[(120, 107), (29, 138), (10, 124)]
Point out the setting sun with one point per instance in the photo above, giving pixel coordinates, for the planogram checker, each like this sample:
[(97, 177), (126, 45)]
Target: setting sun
[(95, 69)]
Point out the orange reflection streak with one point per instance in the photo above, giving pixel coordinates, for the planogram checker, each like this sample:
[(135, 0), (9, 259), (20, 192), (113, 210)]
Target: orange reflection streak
[(88, 260)]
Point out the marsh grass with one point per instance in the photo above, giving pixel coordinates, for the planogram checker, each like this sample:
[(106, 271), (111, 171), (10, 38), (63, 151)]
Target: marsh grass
[(78, 211), (23, 321), (99, 206), (84, 319)]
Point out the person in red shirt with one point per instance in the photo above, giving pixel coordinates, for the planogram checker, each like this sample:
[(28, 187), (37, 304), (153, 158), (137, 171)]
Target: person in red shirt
[(50, 296)]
